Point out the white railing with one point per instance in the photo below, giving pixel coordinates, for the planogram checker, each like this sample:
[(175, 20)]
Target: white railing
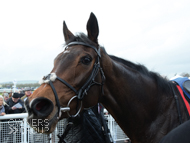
[(116, 132), (14, 128)]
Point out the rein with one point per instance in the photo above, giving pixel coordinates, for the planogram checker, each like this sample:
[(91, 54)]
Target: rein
[(50, 78), (177, 104)]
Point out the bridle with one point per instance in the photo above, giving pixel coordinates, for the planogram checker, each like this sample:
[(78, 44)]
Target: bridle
[(79, 94)]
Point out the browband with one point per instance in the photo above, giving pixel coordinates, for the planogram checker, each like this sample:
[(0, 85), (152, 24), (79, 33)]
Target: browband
[(91, 46)]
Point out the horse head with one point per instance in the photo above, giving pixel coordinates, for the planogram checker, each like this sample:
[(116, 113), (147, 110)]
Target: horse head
[(74, 83)]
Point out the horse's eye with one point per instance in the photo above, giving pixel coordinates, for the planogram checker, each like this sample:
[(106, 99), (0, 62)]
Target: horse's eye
[(86, 60)]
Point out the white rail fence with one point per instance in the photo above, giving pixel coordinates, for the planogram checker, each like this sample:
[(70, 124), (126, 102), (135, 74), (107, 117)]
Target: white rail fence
[(15, 129)]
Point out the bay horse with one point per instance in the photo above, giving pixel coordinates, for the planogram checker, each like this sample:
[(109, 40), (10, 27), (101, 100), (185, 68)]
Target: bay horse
[(143, 103)]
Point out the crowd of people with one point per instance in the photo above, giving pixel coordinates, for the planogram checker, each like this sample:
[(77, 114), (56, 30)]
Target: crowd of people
[(13, 103)]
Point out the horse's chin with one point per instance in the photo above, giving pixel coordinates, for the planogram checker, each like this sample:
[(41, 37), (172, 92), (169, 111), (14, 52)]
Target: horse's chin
[(45, 125)]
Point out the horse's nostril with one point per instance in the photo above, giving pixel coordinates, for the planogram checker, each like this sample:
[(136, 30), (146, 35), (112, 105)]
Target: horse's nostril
[(42, 107)]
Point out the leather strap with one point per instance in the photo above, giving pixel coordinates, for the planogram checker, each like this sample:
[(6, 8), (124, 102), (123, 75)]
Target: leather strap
[(177, 103), (89, 83), (67, 84), (81, 43)]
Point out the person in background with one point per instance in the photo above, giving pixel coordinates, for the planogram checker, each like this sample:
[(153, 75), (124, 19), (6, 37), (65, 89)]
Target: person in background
[(21, 93), (10, 94), (28, 92), (6, 96), (3, 126), (16, 105), (3, 106), (89, 126)]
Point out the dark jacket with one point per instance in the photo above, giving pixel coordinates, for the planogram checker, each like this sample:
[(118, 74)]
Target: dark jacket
[(6, 108), (86, 128), (11, 104)]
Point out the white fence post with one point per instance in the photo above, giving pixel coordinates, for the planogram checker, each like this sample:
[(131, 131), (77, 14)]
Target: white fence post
[(25, 130)]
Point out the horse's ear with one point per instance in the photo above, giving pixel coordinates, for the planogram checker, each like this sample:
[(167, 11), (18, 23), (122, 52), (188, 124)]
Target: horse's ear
[(67, 33), (92, 28)]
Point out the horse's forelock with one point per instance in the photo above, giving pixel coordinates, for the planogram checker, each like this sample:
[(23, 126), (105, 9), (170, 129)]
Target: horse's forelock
[(80, 37)]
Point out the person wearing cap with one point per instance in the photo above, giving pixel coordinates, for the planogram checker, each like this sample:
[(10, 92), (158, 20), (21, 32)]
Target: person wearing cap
[(28, 92), (15, 104)]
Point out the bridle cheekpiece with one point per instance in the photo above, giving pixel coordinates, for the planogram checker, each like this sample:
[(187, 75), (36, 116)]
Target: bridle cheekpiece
[(79, 94)]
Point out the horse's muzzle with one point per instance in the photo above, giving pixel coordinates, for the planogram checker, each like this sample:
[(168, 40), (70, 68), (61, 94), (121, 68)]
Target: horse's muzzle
[(41, 107)]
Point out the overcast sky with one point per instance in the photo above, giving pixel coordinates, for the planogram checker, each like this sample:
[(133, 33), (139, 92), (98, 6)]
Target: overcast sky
[(153, 33)]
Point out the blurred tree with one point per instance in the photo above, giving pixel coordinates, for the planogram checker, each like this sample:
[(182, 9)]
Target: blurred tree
[(185, 74), (31, 85)]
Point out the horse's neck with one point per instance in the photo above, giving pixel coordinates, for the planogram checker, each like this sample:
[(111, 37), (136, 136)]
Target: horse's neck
[(123, 87), (132, 99)]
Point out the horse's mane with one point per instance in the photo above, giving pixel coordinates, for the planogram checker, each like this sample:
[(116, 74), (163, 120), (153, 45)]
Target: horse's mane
[(162, 82)]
